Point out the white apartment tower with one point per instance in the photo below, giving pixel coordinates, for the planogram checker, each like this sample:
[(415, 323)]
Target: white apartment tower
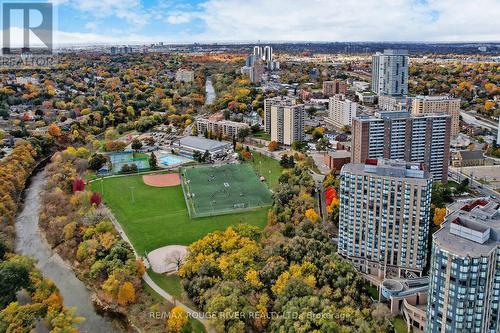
[(341, 111), (287, 123), (384, 216), (390, 73)]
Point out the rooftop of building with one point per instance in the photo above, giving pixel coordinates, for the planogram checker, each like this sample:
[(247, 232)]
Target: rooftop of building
[(471, 155), (472, 228), (222, 122), (381, 115), (389, 168), (435, 98), (202, 144), (339, 154)]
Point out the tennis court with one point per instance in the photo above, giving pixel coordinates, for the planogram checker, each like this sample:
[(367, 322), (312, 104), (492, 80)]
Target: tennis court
[(119, 159), (225, 189)]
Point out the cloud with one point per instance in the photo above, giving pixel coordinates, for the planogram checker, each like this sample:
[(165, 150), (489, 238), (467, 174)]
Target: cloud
[(339, 20), (179, 18), (131, 11), (291, 20)]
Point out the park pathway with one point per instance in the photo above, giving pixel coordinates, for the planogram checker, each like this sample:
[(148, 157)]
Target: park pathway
[(160, 291)]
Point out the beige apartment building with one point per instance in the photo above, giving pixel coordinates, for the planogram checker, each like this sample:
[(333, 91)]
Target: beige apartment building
[(439, 104), (226, 128), (341, 111), (270, 102), (287, 123), (184, 75)]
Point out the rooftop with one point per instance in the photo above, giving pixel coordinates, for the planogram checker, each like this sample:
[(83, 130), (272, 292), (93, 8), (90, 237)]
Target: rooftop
[(471, 229), (389, 168), (471, 155), (202, 144)]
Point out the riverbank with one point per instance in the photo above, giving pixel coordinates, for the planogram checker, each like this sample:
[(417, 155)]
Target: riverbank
[(31, 242)]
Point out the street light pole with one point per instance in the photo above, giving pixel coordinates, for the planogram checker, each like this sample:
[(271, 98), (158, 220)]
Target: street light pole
[(132, 193)]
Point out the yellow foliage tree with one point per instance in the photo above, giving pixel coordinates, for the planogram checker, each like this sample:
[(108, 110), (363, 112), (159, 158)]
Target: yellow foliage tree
[(126, 294), (439, 214), (177, 319), (311, 215)]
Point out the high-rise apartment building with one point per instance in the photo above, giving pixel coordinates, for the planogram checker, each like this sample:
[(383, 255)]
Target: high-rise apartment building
[(399, 135), (268, 54), (384, 216), (269, 102), (439, 104), (341, 111), (464, 293), (287, 123), (390, 73), (257, 52), (332, 88)]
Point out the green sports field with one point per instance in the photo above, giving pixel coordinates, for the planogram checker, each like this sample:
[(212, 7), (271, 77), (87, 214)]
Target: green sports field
[(154, 217), (217, 190), (267, 167)]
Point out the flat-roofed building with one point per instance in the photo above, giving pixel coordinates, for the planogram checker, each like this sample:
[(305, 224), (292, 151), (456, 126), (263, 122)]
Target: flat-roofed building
[(439, 104), (184, 75), (384, 217), (287, 123), (332, 88), (464, 292), (225, 128), (186, 146), (269, 102), (421, 138), (341, 111)]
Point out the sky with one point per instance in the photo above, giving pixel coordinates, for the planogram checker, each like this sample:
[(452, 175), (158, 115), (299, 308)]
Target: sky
[(173, 21)]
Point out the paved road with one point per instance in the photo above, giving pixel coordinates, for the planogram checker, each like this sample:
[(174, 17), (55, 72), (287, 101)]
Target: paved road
[(470, 119), (485, 190)]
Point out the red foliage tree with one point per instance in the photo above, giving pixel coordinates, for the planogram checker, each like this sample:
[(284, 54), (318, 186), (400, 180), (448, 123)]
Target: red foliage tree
[(78, 185), (95, 199), (330, 194)]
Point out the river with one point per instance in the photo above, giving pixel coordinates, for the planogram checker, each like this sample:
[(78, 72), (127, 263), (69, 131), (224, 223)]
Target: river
[(209, 91), (30, 242)]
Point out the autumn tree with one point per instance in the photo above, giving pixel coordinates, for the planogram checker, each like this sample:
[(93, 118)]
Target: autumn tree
[(273, 145), (126, 294), (439, 215), (54, 130), (177, 319)]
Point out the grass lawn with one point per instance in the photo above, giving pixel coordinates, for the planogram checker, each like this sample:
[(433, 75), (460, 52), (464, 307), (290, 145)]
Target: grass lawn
[(400, 325), (372, 291), (157, 217), (172, 283), (262, 164), (262, 135)]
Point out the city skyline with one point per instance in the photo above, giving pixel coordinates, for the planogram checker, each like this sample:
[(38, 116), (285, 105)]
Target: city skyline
[(205, 21)]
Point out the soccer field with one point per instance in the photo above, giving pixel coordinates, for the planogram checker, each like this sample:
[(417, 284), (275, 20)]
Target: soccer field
[(157, 216), (225, 189)]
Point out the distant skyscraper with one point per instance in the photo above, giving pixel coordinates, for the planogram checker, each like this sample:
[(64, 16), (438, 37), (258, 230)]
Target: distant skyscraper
[(398, 135), (268, 54), (390, 73), (384, 216), (257, 52), (439, 104), (464, 293), (341, 111), (287, 123)]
